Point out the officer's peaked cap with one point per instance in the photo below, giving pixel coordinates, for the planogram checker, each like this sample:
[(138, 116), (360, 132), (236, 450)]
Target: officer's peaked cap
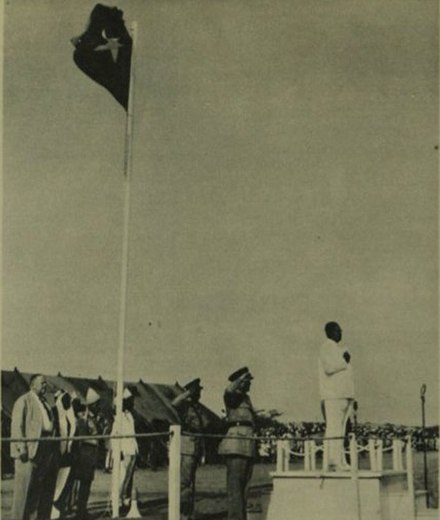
[(239, 373), (193, 385), (78, 406)]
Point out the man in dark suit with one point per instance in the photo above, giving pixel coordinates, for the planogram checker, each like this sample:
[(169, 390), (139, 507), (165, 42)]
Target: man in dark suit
[(36, 462), (85, 452)]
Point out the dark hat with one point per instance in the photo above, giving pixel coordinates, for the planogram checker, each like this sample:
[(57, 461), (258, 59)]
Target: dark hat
[(239, 373), (78, 406), (193, 385)]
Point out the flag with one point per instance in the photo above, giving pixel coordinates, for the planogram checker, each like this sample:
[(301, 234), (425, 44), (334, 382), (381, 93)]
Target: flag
[(103, 51)]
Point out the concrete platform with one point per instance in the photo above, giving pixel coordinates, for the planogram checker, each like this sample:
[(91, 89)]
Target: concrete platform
[(316, 495)]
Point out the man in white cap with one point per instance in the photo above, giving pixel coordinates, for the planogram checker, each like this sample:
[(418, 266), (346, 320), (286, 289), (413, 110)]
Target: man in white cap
[(191, 449), (128, 446), (239, 453), (337, 393)]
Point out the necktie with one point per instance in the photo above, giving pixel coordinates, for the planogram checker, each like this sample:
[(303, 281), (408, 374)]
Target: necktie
[(47, 407)]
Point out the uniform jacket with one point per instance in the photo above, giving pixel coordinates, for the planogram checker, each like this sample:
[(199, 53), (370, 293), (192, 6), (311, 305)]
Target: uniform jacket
[(193, 421), (27, 421), (239, 410)]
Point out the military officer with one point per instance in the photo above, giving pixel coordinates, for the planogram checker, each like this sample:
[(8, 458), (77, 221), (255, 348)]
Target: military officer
[(192, 421), (239, 453)]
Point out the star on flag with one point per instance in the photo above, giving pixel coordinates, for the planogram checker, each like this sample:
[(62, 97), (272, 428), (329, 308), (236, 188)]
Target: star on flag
[(103, 51)]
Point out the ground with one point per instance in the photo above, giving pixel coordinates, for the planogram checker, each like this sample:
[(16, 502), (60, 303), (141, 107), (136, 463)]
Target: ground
[(211, 483)]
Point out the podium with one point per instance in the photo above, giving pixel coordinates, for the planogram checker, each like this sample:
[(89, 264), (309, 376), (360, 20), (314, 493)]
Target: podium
[(315, 493)]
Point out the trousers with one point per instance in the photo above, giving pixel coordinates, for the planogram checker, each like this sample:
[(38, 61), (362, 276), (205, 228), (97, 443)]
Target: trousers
[(83, 498), (188, 468), (337, 412), (238, 475), (128, 464), (34, 484)]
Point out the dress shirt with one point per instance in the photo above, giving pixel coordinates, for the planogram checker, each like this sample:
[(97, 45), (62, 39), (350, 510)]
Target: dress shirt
[(129, 445), (45, 413)]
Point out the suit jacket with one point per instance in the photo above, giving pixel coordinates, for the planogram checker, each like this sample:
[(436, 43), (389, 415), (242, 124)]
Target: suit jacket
[(192, 422), (27, 421)]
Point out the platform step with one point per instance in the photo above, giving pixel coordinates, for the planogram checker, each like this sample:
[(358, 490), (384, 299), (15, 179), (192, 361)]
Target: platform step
[(420, 500)]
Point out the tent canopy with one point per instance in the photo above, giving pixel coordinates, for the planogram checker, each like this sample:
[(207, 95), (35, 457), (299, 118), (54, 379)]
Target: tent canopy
[(153, 409)]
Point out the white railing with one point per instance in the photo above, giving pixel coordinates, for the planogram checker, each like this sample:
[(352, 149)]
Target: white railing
[(174, 474), (174, 436), (400, 449)]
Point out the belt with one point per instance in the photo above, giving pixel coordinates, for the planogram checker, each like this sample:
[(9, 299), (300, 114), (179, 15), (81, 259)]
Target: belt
[(241, 423)]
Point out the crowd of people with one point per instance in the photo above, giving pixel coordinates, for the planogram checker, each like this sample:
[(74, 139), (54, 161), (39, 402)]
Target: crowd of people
[(56, 449), (421, 438), (53, 477)]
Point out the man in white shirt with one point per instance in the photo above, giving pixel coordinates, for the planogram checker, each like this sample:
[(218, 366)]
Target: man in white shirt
[(337, 392), (129, 448)]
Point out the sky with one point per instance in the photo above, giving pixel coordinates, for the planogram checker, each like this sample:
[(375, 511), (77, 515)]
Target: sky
[(284, 175)]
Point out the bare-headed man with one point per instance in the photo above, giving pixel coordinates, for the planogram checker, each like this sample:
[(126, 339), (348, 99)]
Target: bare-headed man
[(36, 462), (337, 392)]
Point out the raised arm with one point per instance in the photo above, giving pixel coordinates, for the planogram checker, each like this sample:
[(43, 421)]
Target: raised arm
[(180, 399)]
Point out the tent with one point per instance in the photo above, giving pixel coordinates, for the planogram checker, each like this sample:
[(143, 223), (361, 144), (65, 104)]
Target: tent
[(13, 385), (153, 411), (55, 383)]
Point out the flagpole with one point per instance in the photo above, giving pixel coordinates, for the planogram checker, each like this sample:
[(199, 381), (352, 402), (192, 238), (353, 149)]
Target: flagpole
[(124, 278)]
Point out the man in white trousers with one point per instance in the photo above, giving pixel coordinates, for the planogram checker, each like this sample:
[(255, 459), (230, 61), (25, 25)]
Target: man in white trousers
[(129, 448), (336, 386)]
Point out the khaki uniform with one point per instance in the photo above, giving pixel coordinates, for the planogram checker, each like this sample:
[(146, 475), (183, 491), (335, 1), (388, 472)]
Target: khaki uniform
[(191, 453), (239, 453)]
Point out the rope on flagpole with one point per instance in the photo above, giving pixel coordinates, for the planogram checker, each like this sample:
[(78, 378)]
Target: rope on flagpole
[(124, 276)]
